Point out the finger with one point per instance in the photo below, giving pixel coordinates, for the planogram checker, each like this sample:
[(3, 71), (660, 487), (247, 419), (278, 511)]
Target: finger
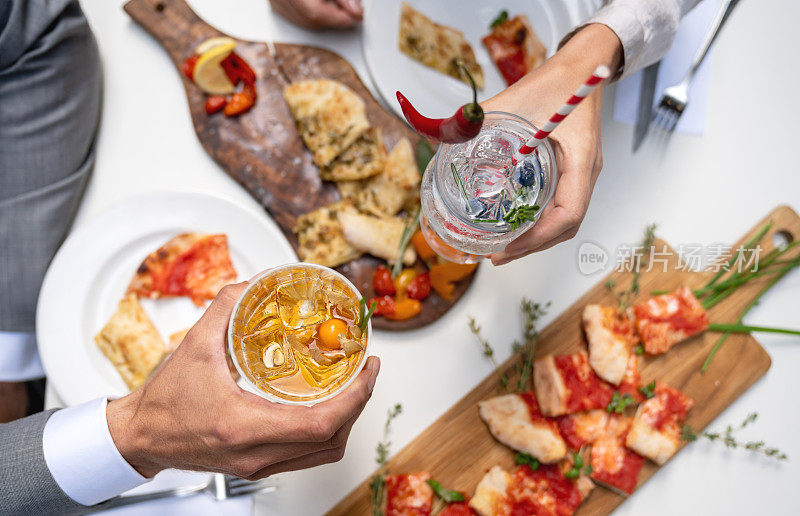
[(306, 461), (216, 316), (353, 7), (312, 424)]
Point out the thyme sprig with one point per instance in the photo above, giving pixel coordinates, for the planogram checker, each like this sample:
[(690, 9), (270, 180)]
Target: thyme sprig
[(377, 485), (531, 313), (729, 439), (487, 349), (625, 297)]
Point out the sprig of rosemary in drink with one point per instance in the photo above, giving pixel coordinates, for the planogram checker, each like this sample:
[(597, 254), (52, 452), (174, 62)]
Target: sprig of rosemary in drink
[(378, 483), (519, 215), (363, 314), (487, 349), (730, 441)]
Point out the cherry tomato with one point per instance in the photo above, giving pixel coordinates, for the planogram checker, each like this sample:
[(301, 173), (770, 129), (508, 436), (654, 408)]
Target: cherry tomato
[(329, 332), (242, 101), (188, 66), (237, 69), (405, 308), (384, 305), (420, 287), (402, 281), (215, 103), (382, 282)]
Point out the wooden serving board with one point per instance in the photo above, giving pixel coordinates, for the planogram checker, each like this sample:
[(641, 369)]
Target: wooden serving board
[(458, 449), (262, 149)]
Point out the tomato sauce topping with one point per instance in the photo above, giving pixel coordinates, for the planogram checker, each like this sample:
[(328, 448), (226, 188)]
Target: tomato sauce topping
[(586, 390), (615, 465), (680, 310), (408, 495), (543, 492), (535, 412), (671, 406)]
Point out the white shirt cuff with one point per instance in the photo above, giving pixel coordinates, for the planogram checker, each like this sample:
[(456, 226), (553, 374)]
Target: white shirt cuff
[(82, 457), (19, 359)]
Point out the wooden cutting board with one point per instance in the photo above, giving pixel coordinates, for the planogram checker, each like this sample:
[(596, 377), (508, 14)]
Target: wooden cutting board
[(262, 149), (458, 449)]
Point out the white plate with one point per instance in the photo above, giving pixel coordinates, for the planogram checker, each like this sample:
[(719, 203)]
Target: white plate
[(432, 92), (91, 271)]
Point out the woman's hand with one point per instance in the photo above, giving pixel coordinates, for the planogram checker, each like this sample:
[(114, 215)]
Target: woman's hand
[(191, 414), (320, 14), (576, 142)]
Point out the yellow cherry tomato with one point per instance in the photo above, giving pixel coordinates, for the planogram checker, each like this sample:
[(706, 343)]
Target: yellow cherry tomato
[(329, 332), (402, 280)]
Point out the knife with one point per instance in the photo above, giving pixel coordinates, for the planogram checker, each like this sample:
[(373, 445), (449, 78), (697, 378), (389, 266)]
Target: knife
[(644, 113)]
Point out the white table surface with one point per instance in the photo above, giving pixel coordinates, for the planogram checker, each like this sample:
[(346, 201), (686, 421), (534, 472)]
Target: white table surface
[(702, 190)]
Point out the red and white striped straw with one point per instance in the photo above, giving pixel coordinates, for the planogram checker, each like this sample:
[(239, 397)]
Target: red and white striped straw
[(600, 74)]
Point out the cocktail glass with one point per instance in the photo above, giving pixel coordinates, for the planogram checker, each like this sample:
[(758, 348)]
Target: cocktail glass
[(274, 334), (469, 189)]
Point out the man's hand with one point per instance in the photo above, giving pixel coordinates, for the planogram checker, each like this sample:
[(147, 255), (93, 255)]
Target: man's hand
[(191, 414), (576, 142), (320, 14)]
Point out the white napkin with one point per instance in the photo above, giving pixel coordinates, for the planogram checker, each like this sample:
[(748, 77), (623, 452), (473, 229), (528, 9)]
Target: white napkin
[(197, 505), (690, 34)]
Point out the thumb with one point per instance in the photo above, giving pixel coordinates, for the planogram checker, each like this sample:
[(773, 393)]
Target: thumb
[(350, 402), (213, 325)]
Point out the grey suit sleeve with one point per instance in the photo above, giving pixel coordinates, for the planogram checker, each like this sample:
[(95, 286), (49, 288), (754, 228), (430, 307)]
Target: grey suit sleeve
[(27, 485)]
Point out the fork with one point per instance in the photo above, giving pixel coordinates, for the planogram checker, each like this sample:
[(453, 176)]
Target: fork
[(675, 98), (220, 486)]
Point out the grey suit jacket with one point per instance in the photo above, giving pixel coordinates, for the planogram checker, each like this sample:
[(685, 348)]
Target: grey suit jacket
[(27, 487)]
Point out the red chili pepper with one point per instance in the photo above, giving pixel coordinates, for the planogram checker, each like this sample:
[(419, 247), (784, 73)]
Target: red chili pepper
[(464, 125), (384, 305), (188, 66), (420, 287), (215, 103), (242, 101), (237, 69), (382, 282)]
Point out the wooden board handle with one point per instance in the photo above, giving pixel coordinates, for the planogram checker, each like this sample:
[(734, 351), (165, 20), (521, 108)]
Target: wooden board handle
[(172, 23)]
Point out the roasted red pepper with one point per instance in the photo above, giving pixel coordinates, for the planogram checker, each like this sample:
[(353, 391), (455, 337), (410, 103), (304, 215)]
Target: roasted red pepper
[(188, 66), (215, 103), (237, 69), (382, 281), (420, 287), (241, 101), (464, 125)]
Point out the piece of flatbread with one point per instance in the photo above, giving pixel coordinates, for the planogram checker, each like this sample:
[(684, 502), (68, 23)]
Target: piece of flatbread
[(330, 116), (363, 159), (379, 237), (437, 46), (321, 237), (131, 342), (611, 339), (390, 191), (510, 421)]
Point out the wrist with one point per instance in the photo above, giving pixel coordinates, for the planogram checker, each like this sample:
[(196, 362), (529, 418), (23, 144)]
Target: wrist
[(130, 434), (589, 47)]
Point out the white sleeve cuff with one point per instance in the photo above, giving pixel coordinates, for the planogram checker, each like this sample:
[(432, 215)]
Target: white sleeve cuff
[(82, 457), (19, 359)]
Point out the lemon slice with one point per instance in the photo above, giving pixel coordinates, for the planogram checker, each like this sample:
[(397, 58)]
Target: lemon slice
[(209, 75), (210, 43)]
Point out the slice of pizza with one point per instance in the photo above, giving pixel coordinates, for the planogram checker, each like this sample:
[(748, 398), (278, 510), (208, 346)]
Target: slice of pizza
[(437, 46), (191, 264), (612, 463), (543, 492), (565, 384), (515, 48), (656, 429), (611, 339), (663, 321), (408, 495), (363, 159), (321, 239), (131, 342), (516, 421), (330, 116)]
